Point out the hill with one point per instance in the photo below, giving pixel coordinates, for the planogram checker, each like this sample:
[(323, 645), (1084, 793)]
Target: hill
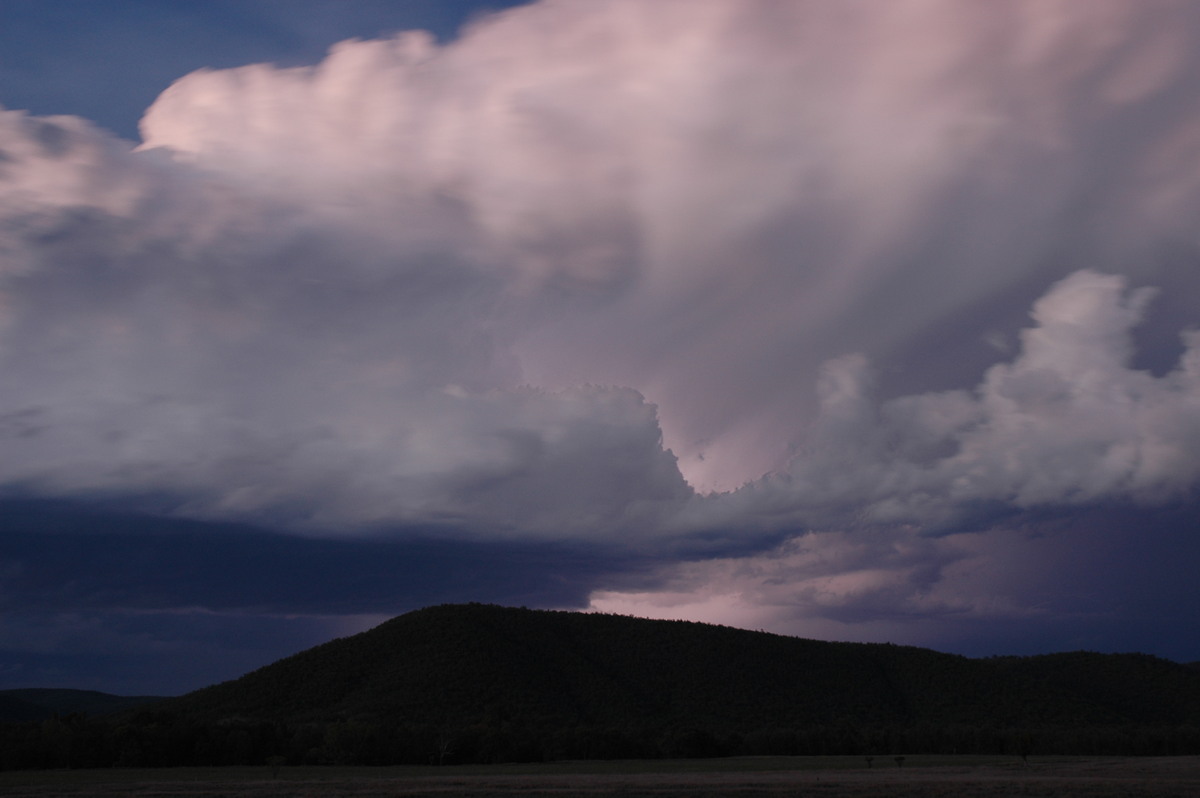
[(482, 683), (480, 671), (41, 703), (469, 664)]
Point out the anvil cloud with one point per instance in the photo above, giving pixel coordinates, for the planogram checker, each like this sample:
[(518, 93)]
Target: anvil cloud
[(864, 320)]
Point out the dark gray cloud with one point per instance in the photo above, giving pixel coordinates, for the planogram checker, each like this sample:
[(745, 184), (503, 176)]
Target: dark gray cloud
[(165, 652), (105, 598), (61, 557)]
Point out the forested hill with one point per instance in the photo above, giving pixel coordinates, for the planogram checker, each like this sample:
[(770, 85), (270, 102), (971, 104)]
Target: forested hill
[(487, 666), (479, 683)]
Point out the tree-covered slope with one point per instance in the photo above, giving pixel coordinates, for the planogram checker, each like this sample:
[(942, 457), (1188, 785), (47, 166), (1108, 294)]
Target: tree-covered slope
[(479, 683), (458, 665)]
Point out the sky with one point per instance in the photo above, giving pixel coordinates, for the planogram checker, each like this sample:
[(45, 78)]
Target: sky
[(849, 320)]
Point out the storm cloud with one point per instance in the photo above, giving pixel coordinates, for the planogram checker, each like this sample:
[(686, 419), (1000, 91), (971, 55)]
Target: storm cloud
[(788, 314)]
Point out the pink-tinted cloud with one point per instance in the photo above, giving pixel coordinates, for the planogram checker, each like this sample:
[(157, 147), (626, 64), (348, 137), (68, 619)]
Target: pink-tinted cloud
[(683, 275), (707, 200)]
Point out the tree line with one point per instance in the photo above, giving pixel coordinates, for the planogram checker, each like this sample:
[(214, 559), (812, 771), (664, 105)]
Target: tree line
[(161, 739)]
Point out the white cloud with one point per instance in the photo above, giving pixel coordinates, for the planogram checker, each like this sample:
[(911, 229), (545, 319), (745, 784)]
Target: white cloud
[(383, 289), (706, 200), (168, 332), (1068, 421)]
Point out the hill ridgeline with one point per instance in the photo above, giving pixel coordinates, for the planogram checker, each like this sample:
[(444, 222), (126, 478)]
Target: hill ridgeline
[(483, 683)]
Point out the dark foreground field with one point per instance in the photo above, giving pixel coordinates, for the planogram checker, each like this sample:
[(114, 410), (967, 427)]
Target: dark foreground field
[(833, 777)]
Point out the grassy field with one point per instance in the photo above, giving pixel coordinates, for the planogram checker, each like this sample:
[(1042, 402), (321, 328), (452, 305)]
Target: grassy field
[(748, 777)]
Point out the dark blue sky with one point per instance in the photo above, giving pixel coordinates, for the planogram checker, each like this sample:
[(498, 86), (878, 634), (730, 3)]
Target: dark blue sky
[(860, 321)]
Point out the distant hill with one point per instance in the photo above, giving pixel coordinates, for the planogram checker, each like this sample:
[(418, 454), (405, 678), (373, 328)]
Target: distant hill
[(482, 683), (39, 703)]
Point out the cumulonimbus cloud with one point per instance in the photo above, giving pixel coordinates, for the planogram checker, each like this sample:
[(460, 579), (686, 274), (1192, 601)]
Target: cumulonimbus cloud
[(750, 188), (527, 282)]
